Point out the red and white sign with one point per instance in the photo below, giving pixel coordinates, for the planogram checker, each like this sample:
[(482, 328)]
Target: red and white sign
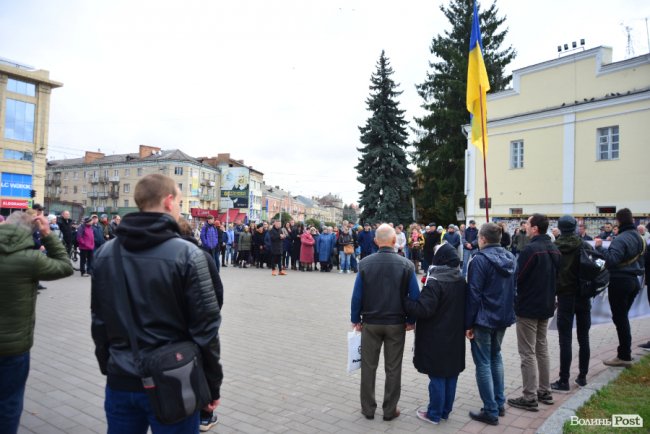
[(14, 203), (203, 213)]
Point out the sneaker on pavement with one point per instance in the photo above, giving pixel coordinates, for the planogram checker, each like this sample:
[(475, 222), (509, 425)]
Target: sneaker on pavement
[(502, 411), (545, 397), (580, 381), (208, 422), (274, 273), (618, 362), (645, 346), (524, 404), (283, 273), (560, 387), (484, 417), (422, 415)]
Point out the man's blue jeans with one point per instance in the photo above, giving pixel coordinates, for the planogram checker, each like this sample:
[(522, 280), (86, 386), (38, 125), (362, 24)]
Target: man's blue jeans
[(442, 392), (467, 254), (486, 352), (131, 413), (13, 377)]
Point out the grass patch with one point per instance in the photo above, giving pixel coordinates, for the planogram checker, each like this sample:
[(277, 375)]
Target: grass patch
[(628, 394)]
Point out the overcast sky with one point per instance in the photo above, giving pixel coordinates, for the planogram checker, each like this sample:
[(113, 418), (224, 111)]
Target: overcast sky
[(280, 84)]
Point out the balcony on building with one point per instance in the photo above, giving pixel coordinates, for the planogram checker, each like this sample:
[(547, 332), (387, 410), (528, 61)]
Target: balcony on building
[(114, 179), (93, 194), (93, 179), (114, 194)]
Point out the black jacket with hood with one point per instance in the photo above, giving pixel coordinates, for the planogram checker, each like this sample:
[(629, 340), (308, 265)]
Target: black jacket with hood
[(537, 270), (440, 313), (172, 299)]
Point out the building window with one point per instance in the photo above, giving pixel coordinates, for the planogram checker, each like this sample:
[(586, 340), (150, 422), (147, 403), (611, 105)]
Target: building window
[(180, 187), (126, 189), (84, 190), (74, 189), (127, 172), (65, 189), (19, 120), (11, 154), (517, 154), (21, 87), (608, 143), (126, 203), (114, 203), (75, 175), (85, 174), (139, 171), (178, 170), (84, 202), (116, 172)]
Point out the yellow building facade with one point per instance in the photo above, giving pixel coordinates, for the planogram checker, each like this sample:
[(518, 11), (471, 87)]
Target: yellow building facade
[(24, 126), (570, 137)]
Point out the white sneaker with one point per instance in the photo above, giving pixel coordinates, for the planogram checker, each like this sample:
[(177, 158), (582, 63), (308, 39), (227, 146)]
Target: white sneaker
[(340, 271), (347, 271), (422, 415)]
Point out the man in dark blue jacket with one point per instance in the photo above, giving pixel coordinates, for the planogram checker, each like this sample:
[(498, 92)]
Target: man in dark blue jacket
[(537, 269), (366, 240), (470, 244), (384, 279), (488, 312), (624, 260)]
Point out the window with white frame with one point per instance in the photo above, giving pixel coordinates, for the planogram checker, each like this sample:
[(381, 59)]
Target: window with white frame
[(608, 143), (178, 170), (127, 172), (126, 188), (517, 154)]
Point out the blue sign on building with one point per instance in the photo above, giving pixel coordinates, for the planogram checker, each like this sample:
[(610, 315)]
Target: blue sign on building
[(16, 185)]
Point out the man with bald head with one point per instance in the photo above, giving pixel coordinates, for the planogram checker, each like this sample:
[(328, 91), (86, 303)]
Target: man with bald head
[(384, 280)]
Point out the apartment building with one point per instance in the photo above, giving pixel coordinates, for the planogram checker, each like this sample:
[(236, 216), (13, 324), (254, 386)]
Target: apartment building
[(105, 183)]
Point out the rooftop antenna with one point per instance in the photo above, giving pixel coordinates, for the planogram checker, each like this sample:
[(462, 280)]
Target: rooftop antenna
[(629, 50)]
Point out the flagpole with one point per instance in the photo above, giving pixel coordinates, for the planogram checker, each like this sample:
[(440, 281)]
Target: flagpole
[(487, 204)]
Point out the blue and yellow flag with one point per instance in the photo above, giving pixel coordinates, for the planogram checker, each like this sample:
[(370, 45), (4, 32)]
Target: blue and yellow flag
[(477, 86)]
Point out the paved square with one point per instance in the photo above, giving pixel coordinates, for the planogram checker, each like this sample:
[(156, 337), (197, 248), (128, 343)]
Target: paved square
[(284, 358)]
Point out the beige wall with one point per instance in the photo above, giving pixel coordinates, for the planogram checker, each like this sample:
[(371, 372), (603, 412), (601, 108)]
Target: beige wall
[(562, 173)]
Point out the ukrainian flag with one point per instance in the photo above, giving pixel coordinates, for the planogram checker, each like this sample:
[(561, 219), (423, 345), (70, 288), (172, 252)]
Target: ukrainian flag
[(477, 86)]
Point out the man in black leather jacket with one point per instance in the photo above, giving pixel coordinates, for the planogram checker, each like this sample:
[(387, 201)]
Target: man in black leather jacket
[(172, 300)]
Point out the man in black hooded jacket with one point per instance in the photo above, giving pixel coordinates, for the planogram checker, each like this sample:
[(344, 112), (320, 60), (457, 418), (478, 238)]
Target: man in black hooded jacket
[(624, 260), (172, 300)]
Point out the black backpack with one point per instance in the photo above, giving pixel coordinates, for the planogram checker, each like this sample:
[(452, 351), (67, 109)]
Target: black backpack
[(593, 277)]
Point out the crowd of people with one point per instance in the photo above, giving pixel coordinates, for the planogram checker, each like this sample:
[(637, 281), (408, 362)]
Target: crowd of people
[(477, 283), (477, 295)]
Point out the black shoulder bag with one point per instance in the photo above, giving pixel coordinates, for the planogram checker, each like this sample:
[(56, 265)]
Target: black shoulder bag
[(172, 375)]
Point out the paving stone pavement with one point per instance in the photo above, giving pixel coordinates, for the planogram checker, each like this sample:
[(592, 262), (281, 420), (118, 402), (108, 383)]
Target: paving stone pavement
[(284, 358)]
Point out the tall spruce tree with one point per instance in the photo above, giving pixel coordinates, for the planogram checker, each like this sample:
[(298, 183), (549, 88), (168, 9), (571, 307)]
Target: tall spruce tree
[(440, 145), (383, 164)]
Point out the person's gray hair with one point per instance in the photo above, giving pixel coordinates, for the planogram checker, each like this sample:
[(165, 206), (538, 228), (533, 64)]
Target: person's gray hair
[(21, 219), (384, 233), (491, 232)]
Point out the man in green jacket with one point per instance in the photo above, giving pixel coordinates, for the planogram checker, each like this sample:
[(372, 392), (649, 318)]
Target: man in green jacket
[(21, 268)]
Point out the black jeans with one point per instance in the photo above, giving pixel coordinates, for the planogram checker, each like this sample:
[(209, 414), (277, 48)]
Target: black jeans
[(622, 291), (569, 306), (86, 261)]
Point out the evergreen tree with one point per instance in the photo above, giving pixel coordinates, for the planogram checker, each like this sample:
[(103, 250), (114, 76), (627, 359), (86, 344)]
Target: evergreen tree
[(383, 164), (440, 146)]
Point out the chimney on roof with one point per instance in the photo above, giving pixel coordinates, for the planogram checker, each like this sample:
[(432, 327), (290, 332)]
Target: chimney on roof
[(146, 151), (223, 158), (92, 156)]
